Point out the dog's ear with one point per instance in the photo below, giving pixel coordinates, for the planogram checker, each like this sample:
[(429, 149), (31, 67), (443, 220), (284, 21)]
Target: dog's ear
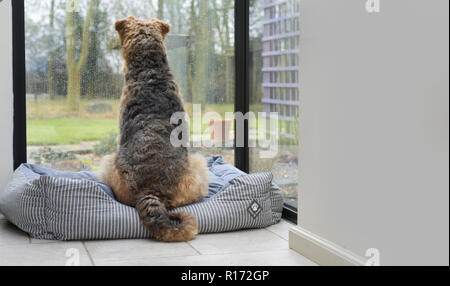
[(121, 24), (163, 26)]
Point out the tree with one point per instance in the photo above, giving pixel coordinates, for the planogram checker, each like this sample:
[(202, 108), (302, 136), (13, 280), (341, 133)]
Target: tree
[(94, 75), (75, 66), (223, 29), (202, 37), (228, 6), (51, 59), (160, 9), (191, 53)]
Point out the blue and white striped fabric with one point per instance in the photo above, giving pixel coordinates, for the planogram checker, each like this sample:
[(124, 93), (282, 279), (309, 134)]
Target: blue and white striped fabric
[(54, 205)]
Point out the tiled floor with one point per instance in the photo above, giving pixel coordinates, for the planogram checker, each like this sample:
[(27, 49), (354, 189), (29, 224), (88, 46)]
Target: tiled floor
[(253, 247)]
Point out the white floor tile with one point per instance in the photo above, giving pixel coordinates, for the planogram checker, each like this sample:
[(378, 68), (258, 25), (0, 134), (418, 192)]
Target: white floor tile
[(54, 254), (281, 229), (261, 247), (126, 251), (238, 242), (271, 258), (11, 235)]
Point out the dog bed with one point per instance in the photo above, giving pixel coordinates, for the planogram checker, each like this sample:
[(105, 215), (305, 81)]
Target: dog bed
[(56, 205)]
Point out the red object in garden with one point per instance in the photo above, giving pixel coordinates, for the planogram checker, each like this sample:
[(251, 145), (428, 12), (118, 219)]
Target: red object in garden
[(220, 130)]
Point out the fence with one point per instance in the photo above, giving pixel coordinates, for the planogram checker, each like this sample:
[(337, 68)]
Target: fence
[(280, 62)]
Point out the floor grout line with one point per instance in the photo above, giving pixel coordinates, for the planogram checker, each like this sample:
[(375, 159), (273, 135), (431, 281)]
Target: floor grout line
[(215, 254), (210, 254), (277, 235), (291, 225), (88, 253), (242, 252), (195, 249)]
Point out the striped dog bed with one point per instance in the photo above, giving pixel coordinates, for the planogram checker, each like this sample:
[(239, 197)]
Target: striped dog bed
[(55, 205)]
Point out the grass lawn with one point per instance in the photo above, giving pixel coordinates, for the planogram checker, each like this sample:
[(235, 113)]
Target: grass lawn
[(51, 123), (62, 131), (65, 131)]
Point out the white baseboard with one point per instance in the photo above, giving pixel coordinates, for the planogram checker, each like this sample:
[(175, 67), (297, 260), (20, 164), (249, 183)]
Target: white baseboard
[(320, 250)]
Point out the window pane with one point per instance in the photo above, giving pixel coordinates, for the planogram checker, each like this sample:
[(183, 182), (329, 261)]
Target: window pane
[(74, 77), (274, 37)]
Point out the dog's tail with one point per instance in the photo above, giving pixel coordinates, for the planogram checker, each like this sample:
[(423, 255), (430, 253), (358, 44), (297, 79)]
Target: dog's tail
[(173, 227)]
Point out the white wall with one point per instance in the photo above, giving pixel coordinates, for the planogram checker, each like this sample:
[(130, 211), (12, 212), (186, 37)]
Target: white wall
[(374, 127), (6, 95)]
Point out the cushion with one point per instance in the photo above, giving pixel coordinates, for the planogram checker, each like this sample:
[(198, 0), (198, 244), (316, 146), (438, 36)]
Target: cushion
[(56, 205)]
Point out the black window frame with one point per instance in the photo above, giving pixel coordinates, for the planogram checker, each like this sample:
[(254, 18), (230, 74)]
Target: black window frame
[(242, 93)]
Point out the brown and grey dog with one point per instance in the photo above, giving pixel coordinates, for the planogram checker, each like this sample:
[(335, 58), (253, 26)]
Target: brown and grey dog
[(147, 171)]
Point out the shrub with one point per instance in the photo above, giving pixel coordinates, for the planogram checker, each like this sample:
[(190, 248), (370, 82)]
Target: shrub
[(107, 145), (47, 154)]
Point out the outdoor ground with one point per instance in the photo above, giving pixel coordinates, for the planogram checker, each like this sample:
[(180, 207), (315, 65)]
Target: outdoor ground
[(262, 247)]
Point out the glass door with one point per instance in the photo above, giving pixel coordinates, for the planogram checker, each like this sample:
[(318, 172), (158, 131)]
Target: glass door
[(274, 87), (74, 79)]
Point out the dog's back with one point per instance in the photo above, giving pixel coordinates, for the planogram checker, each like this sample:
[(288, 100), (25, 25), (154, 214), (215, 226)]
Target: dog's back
[(145, 153), (147, 171)]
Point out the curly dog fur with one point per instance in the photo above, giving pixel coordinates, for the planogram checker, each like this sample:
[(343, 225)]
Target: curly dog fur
[(147, 171)]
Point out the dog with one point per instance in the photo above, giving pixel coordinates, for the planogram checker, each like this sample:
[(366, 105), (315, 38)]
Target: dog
[(147, 171)]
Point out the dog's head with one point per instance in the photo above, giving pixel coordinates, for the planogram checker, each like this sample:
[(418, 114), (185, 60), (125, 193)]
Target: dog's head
[(138, 35)]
